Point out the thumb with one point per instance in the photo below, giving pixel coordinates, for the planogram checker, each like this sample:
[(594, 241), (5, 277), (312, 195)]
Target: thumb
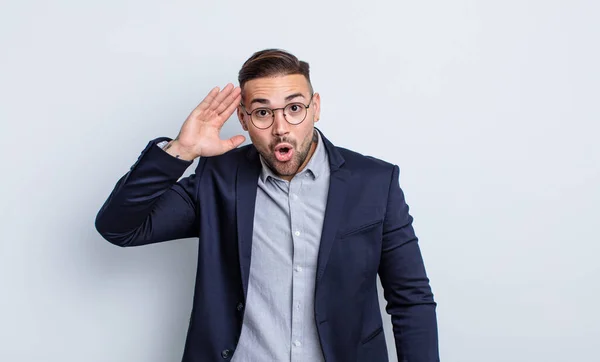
[(234, 142)]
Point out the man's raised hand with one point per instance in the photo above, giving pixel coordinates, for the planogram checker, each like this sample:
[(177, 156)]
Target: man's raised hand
[(199, 135)]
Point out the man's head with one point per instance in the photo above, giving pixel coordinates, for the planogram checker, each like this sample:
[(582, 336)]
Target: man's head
[(279, 109)]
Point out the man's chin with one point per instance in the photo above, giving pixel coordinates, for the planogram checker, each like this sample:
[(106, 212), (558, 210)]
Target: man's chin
[(283, 169), (286, 169)]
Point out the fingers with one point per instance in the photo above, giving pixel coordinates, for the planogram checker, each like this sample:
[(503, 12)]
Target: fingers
[(215, 97), (231, 98), (227, 112), (216, 102), (206, 102)]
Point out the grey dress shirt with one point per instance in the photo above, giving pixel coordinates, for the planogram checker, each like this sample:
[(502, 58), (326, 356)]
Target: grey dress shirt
[(279, 323)]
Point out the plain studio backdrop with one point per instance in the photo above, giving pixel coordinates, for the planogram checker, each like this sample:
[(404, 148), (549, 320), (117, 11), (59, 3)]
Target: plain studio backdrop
[(491, 110)]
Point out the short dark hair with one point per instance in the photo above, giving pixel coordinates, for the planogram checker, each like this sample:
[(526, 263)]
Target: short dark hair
[(272, 63)]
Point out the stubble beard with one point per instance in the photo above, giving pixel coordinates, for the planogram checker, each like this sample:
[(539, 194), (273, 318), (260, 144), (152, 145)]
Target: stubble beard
[(289, 168)]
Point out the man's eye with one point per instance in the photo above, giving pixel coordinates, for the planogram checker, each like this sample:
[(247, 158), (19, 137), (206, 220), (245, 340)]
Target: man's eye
[(262, 113), (294, 108)]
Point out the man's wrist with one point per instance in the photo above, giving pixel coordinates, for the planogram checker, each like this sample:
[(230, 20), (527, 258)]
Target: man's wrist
[(174, 149)]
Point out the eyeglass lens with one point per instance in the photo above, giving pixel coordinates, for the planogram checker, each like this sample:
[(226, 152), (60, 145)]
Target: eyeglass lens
[(294, 113)]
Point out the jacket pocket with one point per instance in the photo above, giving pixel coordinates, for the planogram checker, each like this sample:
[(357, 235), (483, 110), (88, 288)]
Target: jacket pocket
[(359, 229), (371, 336)]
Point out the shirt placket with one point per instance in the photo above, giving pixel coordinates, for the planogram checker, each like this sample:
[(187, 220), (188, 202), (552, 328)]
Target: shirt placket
[(298, 279)]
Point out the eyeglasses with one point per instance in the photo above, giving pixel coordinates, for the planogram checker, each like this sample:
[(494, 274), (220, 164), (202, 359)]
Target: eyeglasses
[(294, 113)]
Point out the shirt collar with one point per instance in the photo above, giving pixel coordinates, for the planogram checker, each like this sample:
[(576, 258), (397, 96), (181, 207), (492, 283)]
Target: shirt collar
[(315, 166)]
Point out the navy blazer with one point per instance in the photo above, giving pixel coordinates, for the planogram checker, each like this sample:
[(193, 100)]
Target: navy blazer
[(367, 231)]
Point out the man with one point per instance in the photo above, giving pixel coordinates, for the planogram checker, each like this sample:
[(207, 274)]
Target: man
[(292, 230)]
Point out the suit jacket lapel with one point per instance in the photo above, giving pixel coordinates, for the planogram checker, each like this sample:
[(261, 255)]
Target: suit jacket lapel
[(338, 188), (246, 184)]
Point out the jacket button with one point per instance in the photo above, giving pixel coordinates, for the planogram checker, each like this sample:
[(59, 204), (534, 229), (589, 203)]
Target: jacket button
[(226, 354), (240, 306)]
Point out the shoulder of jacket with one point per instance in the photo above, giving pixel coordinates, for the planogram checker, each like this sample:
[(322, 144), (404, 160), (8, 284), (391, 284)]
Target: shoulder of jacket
[(355, 159)]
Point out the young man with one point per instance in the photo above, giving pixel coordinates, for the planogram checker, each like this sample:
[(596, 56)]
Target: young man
[(292, 230)]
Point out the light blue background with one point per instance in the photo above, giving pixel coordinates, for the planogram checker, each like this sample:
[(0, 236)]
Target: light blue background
[(491, 109)]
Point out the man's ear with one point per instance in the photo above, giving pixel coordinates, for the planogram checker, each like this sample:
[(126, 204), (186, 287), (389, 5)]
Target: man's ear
[(241, 114), (317, 107)]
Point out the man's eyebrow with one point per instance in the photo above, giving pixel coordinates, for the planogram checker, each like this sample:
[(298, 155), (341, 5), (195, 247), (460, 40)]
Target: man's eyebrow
[(292, 96), (259, 100), (266, 101)]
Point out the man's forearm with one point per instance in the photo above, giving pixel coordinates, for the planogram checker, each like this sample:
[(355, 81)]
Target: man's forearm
[(133, 199)]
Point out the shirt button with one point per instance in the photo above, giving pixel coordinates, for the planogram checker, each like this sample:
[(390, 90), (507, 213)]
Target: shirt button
[(240, 306), (297, 233), (297, 344), (298, 268), (226, 354)]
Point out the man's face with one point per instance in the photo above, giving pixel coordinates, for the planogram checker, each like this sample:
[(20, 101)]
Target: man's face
[(285, 147)]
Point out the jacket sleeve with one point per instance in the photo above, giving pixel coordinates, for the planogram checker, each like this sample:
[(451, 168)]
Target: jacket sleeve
[(405, 283), (148, 204)]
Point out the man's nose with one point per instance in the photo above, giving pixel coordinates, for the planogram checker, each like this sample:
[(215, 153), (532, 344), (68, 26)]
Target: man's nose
[(280, 125)]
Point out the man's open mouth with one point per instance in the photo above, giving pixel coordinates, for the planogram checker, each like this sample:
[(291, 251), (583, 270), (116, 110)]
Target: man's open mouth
[(284, 152)]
